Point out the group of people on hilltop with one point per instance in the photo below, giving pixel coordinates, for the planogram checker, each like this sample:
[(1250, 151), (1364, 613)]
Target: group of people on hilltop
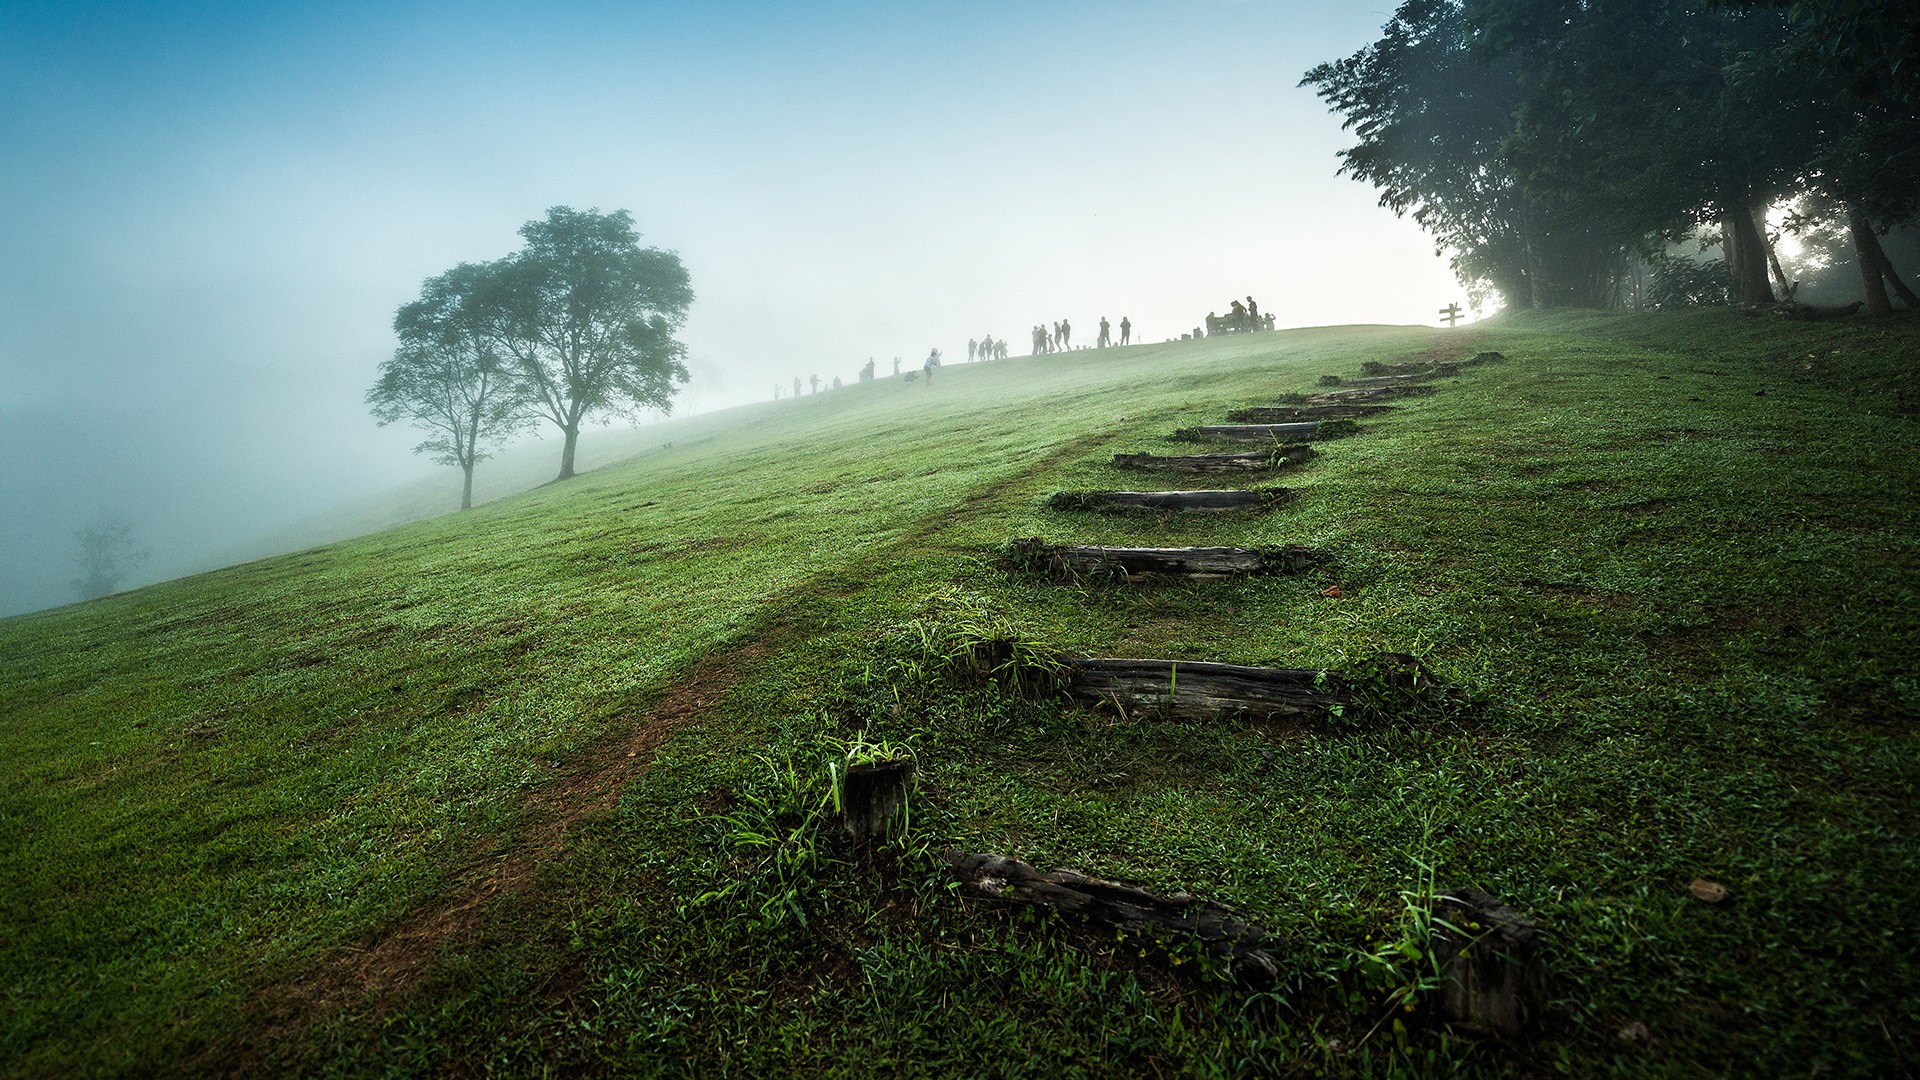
[(987, 349), (1240, 318), (1055, 338), (1106, 332)]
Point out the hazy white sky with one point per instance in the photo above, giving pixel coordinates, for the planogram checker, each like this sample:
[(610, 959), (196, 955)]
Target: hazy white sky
[(208, 213)]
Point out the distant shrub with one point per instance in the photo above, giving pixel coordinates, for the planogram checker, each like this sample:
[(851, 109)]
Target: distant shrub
[(1683, 283)]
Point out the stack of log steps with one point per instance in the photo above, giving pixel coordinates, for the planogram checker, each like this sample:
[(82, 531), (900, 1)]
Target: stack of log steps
[(1228, 499), (1306, 429), (1293, 414), (1278, 457), (1066, 561)]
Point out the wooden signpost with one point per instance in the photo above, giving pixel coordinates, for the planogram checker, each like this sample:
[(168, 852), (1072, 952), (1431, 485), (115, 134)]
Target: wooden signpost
[(1451, 313)]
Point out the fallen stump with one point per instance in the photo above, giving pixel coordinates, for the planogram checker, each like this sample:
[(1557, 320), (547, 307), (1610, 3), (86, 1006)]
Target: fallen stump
[(1070, 562), (1309, 429), (1493, 978), (1279, 457), (1218, 928), (1291, 414), (1228, 499)]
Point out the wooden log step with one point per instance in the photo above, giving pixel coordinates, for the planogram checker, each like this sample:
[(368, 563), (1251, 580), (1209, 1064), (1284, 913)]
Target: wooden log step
[(1191, 690), (1309, 429), (1218, 928), (1396, 380), (1065, 562), (1375, 367), (1229, 499), (1290, 414), (1278, 457), (1365, 394)]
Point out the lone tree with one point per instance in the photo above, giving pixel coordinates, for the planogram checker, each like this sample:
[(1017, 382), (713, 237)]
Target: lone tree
[(585, 317), (106, 556), (448, 377)]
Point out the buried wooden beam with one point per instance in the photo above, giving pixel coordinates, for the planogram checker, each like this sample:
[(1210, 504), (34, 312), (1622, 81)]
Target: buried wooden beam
[(1397, 380), (1307, 429), (1365, 394), (1278, 457), (1228, 499), (1216, 927), (1064, 562), (1293, 414), (1375, 368), (1492, 975), (1195, 690), (1192, 690)]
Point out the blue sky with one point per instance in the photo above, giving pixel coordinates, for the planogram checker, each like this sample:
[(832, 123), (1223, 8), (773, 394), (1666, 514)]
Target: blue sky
[(208, 213)]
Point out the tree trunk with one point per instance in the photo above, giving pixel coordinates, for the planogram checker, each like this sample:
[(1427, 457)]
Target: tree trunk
[(566, 452), (1746, 253), (1887, 272), (466, 488), (1866, 249)]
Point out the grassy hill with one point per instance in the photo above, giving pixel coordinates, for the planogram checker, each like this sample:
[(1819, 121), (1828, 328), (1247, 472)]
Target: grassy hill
[(529, 788)]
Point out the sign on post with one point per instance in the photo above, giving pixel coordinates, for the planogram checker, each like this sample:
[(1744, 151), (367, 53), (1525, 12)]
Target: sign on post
[(1451, 313)]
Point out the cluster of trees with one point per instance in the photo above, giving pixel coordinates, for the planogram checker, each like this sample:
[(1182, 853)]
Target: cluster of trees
[(1549, 145), (577, 325)]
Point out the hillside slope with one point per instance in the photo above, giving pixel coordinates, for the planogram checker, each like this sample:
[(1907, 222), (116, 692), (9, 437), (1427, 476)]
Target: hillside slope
[(458, 796)]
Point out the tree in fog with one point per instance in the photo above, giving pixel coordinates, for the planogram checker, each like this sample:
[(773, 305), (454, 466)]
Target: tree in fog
[(585, 319), (106, 555), (448, 377)]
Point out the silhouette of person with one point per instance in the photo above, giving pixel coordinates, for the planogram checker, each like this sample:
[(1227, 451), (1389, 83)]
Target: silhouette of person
[(1105, 339), (836, 382), (896, 365), (932, 361), (1066, 335), (1253, 313), (815, 381), (796, 386), (1126, 330), (971, 346)]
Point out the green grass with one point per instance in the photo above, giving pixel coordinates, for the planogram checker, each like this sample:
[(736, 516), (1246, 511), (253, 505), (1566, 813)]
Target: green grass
[(335, 812)]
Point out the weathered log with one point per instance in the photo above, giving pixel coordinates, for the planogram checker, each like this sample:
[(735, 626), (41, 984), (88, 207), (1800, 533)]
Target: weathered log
[(1308, 429), (1399, 380), (1483, 358), (1493, 977), (1068, 562), (1218, 928), (873, 795), (1293, 414), (1278, 457), (1184, 690), (1375, 367), (1229, 499), (1369, 393)]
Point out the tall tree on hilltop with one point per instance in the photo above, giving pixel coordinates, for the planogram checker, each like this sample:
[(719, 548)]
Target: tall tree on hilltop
[(448, 377), (107, 554), (586, 318)]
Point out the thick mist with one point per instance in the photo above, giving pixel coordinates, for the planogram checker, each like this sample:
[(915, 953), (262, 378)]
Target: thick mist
[(212, 215)]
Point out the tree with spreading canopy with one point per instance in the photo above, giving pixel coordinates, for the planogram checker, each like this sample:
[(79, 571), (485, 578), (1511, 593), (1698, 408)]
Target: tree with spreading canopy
[(107, 554), (585, 317), (448, 377)]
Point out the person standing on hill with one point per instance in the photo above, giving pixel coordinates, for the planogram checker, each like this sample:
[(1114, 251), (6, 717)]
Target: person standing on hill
[(1066, 336), (1106, 338), (932, 361), (1253, 314), (1126, 330), (972, 345)]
